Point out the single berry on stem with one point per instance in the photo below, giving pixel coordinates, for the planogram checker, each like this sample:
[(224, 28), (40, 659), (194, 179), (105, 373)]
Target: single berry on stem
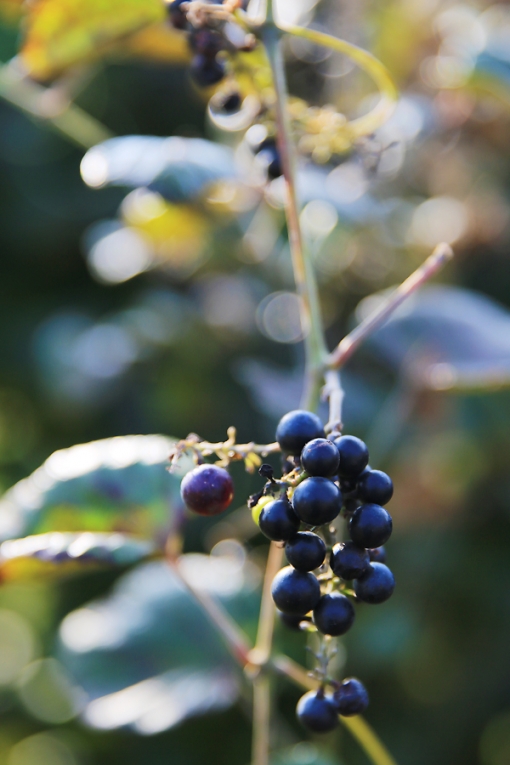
[(317, 712), (207, 489), (349, 561), (176, 14), (305, 551), (206, 71), (320, 458), (375, 486), (278, 521), (334, 614), (376, 585), (296, 428), (370, 526), (295, 592), (353, 456), (351, 698), (317, 501)]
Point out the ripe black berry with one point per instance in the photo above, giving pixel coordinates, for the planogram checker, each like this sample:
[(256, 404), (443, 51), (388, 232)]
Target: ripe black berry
[(296, 428), (377, 554), (317, 712), (320, 458), (305, 551), (353, 456), (317, 501), (351, 698), (177, 15), (349, 560), (206, 71), (376, 585), (207, 489), (295, 592), (206, 41), (278, 521), (375, 486), (370, 526), (333, 614), (269, 156), (292, 621)]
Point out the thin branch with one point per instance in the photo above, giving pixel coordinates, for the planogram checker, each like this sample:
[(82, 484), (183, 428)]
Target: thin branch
[(261, 719), (334, 394), (226, 626), (344, 350), (357, 726), (304, 276), (262, 650), (371, 65), (52, 107)]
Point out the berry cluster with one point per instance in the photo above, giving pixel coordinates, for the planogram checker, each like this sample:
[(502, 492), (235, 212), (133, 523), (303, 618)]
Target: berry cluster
[(323, 478), (328, 477)]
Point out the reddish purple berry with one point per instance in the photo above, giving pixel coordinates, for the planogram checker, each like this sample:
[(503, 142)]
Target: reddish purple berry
[(207, 489)]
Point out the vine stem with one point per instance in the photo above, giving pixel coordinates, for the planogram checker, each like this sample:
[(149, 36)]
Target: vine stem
[(346, 347), (306, 285)]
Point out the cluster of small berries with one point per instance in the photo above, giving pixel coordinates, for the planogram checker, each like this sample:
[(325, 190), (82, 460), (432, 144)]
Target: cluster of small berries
[(323, 477), (328, 476), (209, 41)]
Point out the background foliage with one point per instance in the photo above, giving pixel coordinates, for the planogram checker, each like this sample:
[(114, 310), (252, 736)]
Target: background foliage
[(200, 334)]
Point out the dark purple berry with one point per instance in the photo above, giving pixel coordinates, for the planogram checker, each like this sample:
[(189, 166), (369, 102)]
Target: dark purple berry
[(370, 526), (353, 456), (317, 501), (376, 585), (177, 15), (351, 698), (207, 489), (296, 428), (305, 551), (266, 471), (228, 103), (295, 592), (269, 156), (320, 458), (349, 561), (206, 42), (375, 486), (278, 521), (348, 485), (317, 712), (206, 71), (292, 621), (377, 554), (334, 614)]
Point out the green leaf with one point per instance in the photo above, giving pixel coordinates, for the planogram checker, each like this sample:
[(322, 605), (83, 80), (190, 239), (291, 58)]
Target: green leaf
[(65, 553), (147, 657), (119, 485)]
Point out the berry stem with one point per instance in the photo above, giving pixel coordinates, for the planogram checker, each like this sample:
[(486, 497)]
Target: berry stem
[(344, 350), (306, 285), (261, 719)]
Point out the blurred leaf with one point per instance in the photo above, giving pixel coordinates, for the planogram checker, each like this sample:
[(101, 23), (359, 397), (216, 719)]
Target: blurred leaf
[(57, 553), (177, 168), (117, 484), (147, 656), (159, 42), (448, 338), (303, 753), (63, 33)]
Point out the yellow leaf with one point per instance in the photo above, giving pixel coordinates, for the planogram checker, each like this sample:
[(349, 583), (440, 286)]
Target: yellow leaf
[(11, 10), (62, 33), (159, 42)]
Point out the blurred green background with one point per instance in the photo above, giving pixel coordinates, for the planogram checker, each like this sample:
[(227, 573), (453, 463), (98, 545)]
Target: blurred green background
[(204, 336)]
